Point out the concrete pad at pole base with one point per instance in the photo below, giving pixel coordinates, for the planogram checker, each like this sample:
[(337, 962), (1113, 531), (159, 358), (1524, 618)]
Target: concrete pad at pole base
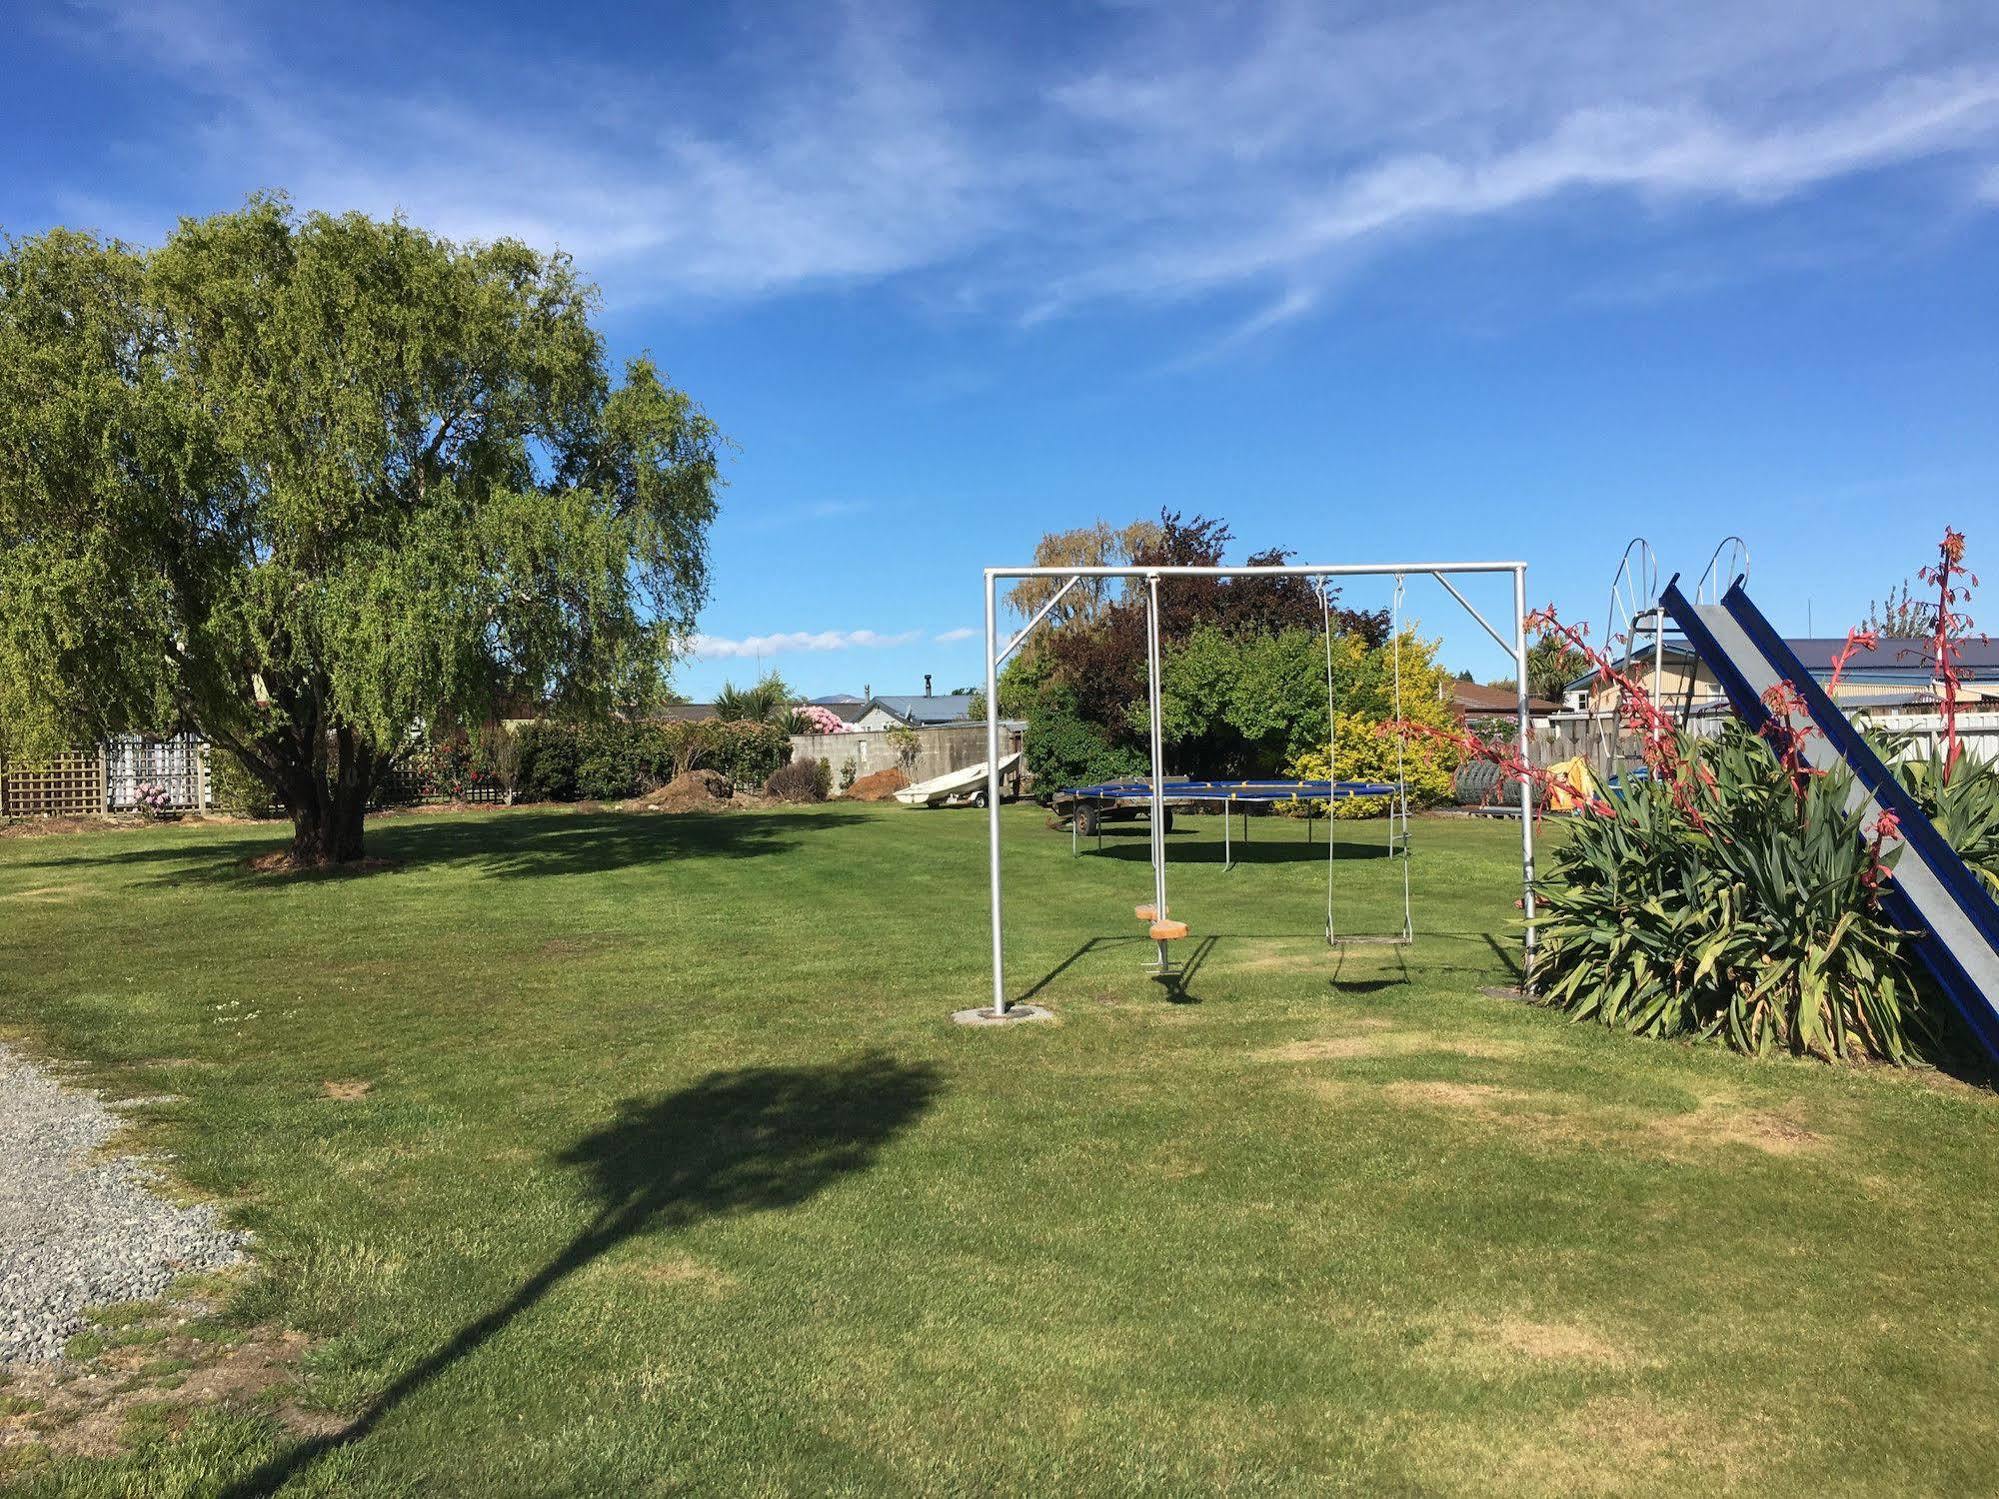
[(984, 1015)]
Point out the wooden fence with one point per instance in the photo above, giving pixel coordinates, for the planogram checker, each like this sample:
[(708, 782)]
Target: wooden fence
[(1601, 741), (92, 782), (87, 782)]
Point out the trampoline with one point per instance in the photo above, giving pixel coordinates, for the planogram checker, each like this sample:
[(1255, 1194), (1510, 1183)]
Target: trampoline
[(1238, 791), (1087, 803)]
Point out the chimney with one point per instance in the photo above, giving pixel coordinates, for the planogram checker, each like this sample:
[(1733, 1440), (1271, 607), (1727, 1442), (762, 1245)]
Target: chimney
[(926, 685)]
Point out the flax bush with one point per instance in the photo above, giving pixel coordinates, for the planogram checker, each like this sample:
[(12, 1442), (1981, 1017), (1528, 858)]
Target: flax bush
[(1732, 902)]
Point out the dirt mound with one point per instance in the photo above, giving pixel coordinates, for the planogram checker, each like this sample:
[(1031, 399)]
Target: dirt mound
[(692, 791), (879, 787)]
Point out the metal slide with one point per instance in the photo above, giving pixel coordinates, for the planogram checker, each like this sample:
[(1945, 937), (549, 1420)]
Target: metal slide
[(1933, 895)]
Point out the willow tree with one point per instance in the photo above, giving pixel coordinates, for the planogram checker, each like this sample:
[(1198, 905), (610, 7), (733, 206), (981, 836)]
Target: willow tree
[(319, 486)]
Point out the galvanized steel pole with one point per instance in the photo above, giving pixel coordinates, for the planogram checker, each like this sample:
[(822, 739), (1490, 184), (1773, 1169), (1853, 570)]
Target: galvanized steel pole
[(1158, 758), (1526, 787), (993, 793)]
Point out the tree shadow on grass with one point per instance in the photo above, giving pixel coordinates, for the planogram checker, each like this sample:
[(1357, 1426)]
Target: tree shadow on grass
[(753, 1140), (512, 845)]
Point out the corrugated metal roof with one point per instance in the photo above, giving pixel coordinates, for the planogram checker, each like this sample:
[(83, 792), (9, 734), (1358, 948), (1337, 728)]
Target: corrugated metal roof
[(922, 710)]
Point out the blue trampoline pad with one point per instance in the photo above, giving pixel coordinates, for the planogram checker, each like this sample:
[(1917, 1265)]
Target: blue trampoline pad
[(1241, 791)]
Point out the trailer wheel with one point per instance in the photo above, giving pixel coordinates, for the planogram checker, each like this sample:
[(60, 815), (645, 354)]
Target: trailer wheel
[(1087, 821), (1165, 819)]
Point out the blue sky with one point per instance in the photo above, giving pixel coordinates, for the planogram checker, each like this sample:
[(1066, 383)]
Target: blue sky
[(1416, 281)]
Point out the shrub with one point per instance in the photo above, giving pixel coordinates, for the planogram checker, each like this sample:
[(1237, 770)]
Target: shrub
[(496, 757), (1364, 752), (609, 760), (849, 772), (1965, 807), (1734, 904), (806, 780), (234, 790), (1065, 749), (748, 752), (440, 769), (816, 718), (547, 754)]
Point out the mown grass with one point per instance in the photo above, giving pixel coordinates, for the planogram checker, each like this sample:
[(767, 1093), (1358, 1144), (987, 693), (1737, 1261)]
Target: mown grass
[(658, 1166)]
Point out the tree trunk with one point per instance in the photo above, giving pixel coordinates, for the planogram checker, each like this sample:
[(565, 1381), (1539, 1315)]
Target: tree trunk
[(328, 803), (326, 826)]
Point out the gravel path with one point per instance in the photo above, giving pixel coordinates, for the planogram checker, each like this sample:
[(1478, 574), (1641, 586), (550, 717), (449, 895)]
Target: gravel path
[(78, 1229)]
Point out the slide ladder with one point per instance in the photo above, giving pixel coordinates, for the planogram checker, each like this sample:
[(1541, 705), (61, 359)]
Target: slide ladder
[(1934, 896)]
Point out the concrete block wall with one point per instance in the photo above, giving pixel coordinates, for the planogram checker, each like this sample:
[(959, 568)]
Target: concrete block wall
[(939, 751)]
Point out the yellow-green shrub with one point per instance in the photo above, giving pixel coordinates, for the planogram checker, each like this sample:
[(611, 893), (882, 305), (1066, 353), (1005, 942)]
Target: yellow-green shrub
[(1361, 753)]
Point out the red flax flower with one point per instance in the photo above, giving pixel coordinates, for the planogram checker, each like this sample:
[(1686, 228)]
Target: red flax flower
[(1658, 736), (1886, 826), (1514, 767), (1856, 642), (1945, 648), (1787, 728)]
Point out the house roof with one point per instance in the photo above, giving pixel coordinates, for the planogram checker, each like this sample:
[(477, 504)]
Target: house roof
[(1895, 660), (924, 710), (1471, 697), (685, 712)]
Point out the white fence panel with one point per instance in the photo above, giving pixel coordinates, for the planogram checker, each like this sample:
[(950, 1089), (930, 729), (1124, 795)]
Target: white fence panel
[(180, 765)]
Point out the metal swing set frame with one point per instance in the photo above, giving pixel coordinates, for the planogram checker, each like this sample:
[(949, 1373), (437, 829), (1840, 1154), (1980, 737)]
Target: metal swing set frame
[(1163, 931)]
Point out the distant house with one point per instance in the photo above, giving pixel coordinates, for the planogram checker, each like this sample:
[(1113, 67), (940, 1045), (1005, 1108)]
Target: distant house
[(912, 712), (1894, 674), (1475, 703), (685, 712)]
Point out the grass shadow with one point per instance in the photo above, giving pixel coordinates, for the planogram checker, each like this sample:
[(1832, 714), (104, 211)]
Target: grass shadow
[(753, 1140), (509, 845), (1340, 985), (1175, 982)]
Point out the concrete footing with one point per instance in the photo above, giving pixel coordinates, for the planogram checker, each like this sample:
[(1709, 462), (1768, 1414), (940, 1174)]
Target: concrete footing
[(984, 1015)]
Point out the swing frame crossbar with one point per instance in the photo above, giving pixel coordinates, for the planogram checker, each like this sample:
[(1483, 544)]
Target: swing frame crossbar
[(1160, 790)]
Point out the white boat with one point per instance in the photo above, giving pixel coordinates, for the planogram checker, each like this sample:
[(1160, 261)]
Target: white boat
[(967, 785)]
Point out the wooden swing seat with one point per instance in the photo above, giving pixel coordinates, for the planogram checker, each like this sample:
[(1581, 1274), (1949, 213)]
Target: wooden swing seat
[(1168, 931)]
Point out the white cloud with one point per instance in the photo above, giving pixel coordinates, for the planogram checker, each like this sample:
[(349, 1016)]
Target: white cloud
[(1171, 152), (721, 647), (951, 637)]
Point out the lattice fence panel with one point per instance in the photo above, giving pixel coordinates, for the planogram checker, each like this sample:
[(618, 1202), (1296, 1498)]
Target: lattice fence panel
[(70, 785), (173, 764)]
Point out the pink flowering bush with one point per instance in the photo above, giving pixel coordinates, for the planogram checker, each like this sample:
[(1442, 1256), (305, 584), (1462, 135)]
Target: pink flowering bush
[(153, 800), (822, 720)]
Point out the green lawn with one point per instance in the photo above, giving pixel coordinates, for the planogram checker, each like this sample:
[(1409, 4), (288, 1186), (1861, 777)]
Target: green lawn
[(673, 1175)]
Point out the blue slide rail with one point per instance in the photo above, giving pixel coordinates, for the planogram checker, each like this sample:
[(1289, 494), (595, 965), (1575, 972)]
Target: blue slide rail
[(1933, 895)]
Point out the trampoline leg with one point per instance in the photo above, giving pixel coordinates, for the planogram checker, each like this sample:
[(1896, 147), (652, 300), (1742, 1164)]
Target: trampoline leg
[(1228, 822)]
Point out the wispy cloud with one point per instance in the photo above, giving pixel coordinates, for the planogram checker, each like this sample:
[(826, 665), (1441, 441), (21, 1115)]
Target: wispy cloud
[(1164, 153), (779, 516), (952, 637), (722, 648)]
